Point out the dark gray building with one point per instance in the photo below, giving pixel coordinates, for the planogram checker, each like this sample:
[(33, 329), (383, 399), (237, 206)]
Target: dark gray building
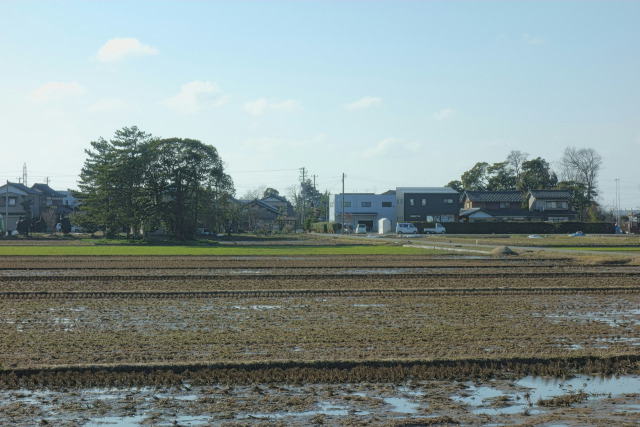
[(431, 204)]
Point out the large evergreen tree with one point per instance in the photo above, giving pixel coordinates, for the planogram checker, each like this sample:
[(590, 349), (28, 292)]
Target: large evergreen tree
[(135, 182)]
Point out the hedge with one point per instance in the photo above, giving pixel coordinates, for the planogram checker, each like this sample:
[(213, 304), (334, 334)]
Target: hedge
[(522, 227), (325, 227)]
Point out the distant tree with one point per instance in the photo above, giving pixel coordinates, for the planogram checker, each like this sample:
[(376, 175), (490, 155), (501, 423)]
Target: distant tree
[(456, 185), (26, 207), (255, 193), (65, 224), (22, 226), (135, 182), (476, 178), (577, 199), (270, 192), (536, 175), (50, 218), (180, 174), (582, 165), (112, 182), (514, 161), (500, 177)]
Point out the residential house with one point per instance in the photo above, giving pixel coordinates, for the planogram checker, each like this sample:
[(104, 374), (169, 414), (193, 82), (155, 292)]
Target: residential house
[(537, 205), (271, 213), (13, 199), (493, 206), (551, 205), (363, 208), (430, 204), (279, 203), (51, 197)]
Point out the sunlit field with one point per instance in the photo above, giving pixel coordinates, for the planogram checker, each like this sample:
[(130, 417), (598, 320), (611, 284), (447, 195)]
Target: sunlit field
[(299, 326)]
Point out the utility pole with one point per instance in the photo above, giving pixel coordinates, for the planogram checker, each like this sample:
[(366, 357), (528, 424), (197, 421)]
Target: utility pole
[(327, 199), (6, 211), (303, 170), (618, 202), (343, 201), (24, 174)]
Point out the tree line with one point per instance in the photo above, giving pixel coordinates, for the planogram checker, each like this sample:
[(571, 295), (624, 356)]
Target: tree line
[(137, 183), (578, 174)]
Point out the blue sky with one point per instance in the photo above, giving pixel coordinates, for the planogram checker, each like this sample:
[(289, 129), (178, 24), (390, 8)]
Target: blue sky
[(402, 93)]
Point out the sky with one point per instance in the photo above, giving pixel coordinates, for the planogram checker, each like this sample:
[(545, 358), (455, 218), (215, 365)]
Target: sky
[(388, 93)]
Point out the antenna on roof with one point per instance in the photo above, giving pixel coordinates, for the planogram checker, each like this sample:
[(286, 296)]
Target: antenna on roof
[(24, 174)]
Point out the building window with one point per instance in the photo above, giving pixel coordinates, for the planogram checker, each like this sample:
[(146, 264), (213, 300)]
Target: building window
[(466, 205), (12, 201), (504, 205), (387, 205), (424, 202), (448, 201), (556, 205), (411, 202), (347, 204), (365, 204)]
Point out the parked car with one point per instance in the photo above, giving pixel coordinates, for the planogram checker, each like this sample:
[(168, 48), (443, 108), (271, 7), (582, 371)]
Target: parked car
[(406, 228), (438, 229), (361, 229)]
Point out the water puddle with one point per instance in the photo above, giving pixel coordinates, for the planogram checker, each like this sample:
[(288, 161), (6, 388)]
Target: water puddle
[(544, 388), (324, 408), (257, 307), (614, 319), (528, 391), (402, 405)]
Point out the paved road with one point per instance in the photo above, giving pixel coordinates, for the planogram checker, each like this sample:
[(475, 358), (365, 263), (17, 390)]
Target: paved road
[(424, 241)]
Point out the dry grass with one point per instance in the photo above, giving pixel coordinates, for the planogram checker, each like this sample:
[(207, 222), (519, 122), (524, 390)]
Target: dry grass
[(455, 317)]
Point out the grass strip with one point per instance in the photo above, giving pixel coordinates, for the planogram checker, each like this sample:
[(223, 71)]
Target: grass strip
[(222, 250), (304, 372)]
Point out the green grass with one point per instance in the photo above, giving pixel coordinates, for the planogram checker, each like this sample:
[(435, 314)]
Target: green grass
[(283, 250)]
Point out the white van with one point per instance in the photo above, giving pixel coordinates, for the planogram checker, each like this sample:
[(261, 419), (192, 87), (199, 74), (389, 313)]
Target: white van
[(361, 229), (406, 228)]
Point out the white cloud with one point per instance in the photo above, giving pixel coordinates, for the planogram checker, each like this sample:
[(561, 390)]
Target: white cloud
[(195, 96), (391, 146), (106, 105), (262, 105), (528, 38), (444, 114), (321, 137), (366, 102), (382, 147), (120, 48), (56, 90)]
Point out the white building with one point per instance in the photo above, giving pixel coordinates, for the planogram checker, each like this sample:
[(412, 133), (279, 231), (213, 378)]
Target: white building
[(363, 208)]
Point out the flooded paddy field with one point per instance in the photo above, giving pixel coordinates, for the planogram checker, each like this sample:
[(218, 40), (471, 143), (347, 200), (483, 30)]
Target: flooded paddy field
[(349, 340)]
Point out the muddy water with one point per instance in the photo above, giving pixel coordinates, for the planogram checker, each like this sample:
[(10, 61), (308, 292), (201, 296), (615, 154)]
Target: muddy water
[(607, 401)]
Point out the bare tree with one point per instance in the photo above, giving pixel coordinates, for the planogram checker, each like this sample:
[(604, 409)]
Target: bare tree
[(50, 218), (582, 165), (256, 193), (515, 159)]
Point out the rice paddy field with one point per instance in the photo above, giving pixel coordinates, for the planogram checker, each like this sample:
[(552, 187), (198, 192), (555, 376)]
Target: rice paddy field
[(309, 334)]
